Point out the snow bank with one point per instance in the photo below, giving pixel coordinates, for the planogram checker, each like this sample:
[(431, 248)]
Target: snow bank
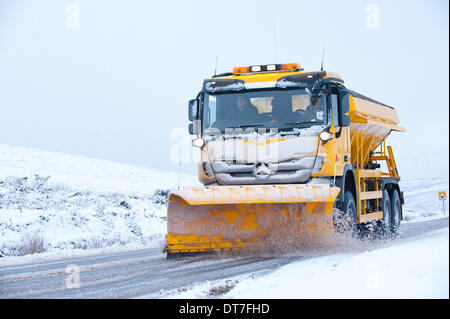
[(51, 202)]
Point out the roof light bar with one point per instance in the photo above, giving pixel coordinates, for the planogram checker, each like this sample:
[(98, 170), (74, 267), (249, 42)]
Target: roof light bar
[(266, 68)]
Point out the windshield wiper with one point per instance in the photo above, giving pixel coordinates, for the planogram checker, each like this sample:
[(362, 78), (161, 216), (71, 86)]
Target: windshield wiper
[(250, 125), (298, 123)]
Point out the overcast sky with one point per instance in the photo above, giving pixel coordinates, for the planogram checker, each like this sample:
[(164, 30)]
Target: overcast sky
[(111, 79)]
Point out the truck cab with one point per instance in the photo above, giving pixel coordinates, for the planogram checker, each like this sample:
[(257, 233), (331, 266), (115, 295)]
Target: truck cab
[(269, 124)]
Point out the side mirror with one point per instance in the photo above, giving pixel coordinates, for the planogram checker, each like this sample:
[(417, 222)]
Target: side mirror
[(344, 107), (193, 109)]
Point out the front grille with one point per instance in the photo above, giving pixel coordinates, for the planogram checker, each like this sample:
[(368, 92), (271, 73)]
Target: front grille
[(290, 171), (277, 173)]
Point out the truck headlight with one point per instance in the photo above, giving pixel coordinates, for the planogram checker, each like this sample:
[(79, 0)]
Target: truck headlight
[(325, 136), (198, 142)]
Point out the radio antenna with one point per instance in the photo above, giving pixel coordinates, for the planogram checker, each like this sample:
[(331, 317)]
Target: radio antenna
[(274, 40), (323, 56)]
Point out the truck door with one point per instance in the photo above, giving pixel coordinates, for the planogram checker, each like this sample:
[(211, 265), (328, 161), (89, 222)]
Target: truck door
[(341, 133)]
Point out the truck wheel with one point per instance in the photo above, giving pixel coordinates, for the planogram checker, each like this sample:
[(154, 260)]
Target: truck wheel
[(396, 209), (345, 220), (385, 223)]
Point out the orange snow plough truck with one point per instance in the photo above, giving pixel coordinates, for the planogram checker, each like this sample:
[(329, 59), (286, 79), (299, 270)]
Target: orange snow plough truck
[(285, 154)]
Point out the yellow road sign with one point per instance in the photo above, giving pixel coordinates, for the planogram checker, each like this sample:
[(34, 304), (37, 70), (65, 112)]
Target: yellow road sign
[(442, 196)]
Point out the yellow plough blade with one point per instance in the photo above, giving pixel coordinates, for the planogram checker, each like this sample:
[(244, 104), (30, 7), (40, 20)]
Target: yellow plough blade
[(215, 218)]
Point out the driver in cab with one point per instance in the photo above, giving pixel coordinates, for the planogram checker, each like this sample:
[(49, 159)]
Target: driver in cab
[(315, 110), (245, 109)]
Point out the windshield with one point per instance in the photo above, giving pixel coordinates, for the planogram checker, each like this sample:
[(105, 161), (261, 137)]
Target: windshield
[(280, 109)]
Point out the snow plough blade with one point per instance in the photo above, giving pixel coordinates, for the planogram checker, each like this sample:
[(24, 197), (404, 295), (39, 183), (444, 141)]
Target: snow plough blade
[(217, 218)]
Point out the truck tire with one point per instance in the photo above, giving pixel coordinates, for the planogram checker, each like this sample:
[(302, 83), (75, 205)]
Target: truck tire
[(385, 223), (396, 211), (344, 221)]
